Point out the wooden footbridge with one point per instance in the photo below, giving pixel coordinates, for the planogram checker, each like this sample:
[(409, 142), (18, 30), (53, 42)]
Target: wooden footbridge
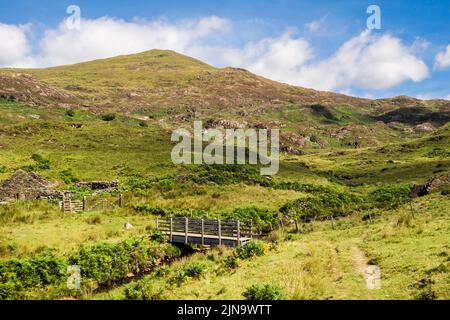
[(184, 230)]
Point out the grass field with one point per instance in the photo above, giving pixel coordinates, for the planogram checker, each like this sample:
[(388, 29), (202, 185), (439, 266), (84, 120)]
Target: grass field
[(338, 205)]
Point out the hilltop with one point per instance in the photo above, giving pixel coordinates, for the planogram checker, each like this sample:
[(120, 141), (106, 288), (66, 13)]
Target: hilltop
[(170, 89), (164, 79)]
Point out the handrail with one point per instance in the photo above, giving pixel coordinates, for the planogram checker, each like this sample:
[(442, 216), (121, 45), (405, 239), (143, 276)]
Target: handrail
[(201, 229)]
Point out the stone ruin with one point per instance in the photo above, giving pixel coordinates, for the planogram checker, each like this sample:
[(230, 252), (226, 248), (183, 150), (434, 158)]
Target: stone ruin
[(99, 186), (27, 186)]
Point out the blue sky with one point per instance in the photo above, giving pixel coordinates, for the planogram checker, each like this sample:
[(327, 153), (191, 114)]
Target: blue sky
[(319, 44)]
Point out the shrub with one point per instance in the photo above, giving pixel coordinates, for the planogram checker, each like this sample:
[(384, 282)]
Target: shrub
[(68, 177), (158, 236), (17, 275), (161, 271), (108, 117), (191, 270), (264, 220), (144, 289), (328, 204), (250, 249), (70, 113), (178, 278), (195, 269), (390, 196), (108, 262), (264, 292), (41, 163)]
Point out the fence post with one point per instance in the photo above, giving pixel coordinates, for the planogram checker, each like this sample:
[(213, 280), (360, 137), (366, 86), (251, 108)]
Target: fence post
[(251, 229), (84, 203), (203, 232), (220, 232), (157, 222), (238, 233), (186, 227), (171, 229), (120, 200)]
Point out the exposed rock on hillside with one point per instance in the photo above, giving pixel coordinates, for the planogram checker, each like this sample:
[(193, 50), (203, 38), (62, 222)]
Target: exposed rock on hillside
[(425, 127), (25, 88), (224, 124)]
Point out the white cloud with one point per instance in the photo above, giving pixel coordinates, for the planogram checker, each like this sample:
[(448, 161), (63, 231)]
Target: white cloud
[(14, 46), (316, 25), (107, 37), (442, 60), (276, 58), (366, 61), (447, 97)]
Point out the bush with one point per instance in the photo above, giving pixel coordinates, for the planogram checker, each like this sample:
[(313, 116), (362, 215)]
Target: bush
[(17, 275), (196, 269), (70, 113), (264, 220), (191, 270), (100, 264), (390, 196), (328, 204), (108, 117), (41, 163), (143, 290), (108, 262), (264, 293), (250, 249), (68, 177), (158, 236), (178, 278)]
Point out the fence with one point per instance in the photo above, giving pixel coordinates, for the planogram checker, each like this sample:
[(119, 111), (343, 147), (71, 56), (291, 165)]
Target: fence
[(90, 204)]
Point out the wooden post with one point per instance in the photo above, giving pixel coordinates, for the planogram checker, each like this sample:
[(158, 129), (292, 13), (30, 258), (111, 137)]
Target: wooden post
[(251, 229), (411, 206), (186, 227), (203, 232), (220, 232), (238, 233), (157, 222), (171, 229), (84, 203), (120, 200)]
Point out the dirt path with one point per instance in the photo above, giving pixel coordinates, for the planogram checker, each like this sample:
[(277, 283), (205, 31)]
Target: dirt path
[(361, 266)]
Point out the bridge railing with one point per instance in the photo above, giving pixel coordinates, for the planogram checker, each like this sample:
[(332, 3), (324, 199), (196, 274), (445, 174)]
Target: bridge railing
[(205, 228)]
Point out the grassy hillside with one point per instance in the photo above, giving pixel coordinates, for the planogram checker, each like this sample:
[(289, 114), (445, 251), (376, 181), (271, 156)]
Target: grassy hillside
[(339, 203)]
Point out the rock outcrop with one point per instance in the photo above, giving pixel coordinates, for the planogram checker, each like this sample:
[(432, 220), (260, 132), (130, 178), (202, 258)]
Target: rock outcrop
[(432, 184)]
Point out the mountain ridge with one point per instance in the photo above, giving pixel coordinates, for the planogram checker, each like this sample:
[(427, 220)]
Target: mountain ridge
[(163, 78)]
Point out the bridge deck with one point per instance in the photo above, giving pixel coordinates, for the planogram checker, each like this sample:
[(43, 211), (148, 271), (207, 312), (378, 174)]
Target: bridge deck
[(205, 232)]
